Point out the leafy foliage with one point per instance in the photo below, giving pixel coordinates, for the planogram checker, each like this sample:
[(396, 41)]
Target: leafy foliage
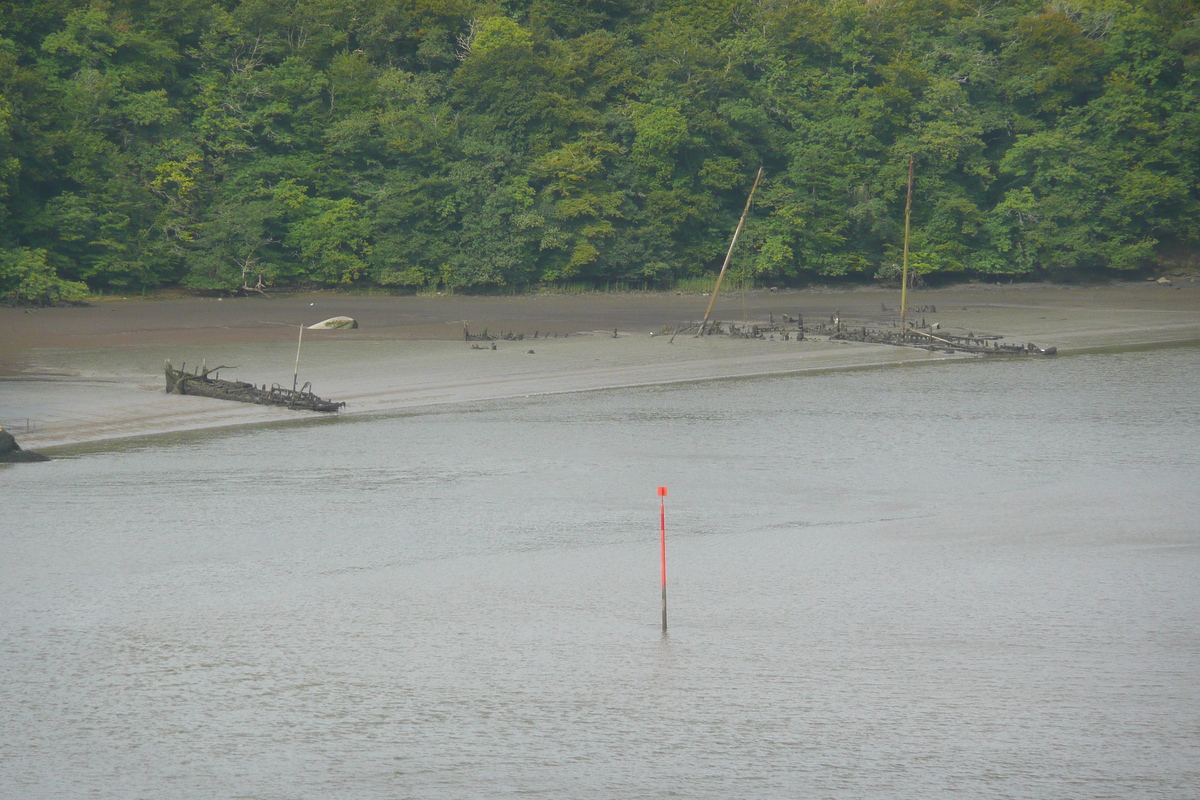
[(473, 144), (26, 278)]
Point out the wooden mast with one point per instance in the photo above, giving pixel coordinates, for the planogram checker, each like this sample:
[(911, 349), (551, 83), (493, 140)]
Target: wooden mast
[(904, 267), (729, 255), (296, 373)]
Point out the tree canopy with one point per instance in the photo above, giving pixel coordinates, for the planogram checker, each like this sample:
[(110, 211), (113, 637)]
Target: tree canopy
[(467, 144)]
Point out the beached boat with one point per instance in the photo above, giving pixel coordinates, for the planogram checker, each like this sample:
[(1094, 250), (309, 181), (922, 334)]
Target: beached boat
[(11, 452), (203, 382)]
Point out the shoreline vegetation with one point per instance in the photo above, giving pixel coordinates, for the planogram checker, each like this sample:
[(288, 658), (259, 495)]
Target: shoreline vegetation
[(80, 375), (481, 145), (1182, 271)]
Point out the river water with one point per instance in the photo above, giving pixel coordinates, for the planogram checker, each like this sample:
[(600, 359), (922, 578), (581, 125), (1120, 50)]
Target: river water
[(971, 579)]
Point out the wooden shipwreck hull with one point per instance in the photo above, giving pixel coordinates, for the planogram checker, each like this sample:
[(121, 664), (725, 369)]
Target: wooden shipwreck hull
[(796, 328), (201, 383), (978, 345)]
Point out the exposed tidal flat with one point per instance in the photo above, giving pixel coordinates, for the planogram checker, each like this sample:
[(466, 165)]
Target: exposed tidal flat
[(75, 375), (968, 578)]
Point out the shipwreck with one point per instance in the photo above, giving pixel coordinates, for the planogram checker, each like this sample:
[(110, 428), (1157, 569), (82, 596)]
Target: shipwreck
[(204, 382)]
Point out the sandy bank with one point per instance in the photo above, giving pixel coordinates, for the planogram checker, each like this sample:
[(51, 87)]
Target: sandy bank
[(94, 373)]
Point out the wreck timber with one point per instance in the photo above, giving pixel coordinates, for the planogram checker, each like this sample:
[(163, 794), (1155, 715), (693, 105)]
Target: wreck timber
[(841, 331), (202, 383), (978, 345), (477, 337)]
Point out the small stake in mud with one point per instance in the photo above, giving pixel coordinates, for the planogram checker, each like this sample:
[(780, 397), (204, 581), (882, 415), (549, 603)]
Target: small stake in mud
[(662, 517)]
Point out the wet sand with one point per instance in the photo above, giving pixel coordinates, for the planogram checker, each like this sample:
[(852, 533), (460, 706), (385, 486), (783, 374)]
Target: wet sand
[(70, 376)]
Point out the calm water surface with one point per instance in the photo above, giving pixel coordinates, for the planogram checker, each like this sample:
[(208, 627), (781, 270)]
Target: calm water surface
[(963, 580)]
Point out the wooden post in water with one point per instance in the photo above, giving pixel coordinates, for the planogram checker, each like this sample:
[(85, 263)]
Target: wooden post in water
[(296, 373), (904, 262), (729, 255), (662, 508)]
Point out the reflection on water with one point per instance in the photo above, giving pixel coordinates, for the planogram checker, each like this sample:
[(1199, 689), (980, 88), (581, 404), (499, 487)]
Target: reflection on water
[(971, 579)]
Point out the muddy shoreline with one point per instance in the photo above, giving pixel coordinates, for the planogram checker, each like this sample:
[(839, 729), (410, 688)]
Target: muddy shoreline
[(78, 375)]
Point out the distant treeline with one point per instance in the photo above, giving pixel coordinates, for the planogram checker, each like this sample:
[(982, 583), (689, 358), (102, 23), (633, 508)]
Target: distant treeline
[(467, 144)]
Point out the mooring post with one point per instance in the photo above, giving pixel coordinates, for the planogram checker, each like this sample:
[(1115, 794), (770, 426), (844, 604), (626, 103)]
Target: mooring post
[(662, 509)]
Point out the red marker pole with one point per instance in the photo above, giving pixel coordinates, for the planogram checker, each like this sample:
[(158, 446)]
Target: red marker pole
[(662, 509)]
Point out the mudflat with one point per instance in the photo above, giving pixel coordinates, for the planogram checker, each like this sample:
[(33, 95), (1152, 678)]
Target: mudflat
[(69, 376)]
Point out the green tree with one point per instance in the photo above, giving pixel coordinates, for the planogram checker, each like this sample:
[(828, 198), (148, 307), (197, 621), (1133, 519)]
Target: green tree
[(27, 278)]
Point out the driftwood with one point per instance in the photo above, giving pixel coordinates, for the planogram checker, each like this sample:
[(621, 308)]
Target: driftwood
[(203, 383)]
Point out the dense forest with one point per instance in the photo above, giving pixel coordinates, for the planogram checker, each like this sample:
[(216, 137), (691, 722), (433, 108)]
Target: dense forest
[(473, 145)]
